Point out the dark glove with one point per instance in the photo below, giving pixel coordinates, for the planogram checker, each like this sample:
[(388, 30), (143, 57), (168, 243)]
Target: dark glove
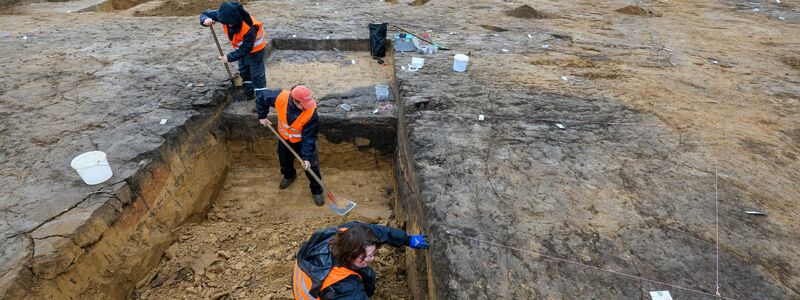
[(418, 242)]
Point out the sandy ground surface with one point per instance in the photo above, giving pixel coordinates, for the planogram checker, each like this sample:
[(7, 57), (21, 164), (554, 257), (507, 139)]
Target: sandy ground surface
[(246, 247), (662, 115)]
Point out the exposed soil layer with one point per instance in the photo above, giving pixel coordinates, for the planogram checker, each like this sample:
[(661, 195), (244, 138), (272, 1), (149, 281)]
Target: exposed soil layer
[(180, 8), (527, 12), (637, 11), (705, 106), (247, 245), (794, 62)]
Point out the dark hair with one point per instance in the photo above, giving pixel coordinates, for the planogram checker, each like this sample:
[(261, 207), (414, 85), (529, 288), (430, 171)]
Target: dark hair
[(348, 245)]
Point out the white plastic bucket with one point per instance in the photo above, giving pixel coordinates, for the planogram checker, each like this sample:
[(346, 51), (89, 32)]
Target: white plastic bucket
[(93, 167), (382, 92), (460, 62)]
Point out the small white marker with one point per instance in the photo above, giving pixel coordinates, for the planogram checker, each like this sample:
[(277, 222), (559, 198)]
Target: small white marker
[(480, 117), (756, 9), (189, 85), (24, 37), (353, 62), (755, 213), (327, 37), (504, 50), (781, 18), (545, 46), (559, 126), (777, 1), (714, 62), (660, 295), (294, 35), (163, 121), (530, 36), (564, 78)]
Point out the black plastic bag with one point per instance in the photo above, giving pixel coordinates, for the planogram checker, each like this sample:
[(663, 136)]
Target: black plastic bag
[(377, 39)]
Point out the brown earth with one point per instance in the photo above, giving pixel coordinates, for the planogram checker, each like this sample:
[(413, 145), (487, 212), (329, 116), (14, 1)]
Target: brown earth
[(637, 11), (180, 8), (706, 87), (794, 62), (246, 247), (527, 12)]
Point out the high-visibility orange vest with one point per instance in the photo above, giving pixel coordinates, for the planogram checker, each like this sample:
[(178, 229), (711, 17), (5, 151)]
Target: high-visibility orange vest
[(294, 132), (261, 39), (301, 283)]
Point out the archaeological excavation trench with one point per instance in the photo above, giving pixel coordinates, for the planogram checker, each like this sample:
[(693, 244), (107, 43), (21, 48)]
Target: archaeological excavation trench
[(204, 217)]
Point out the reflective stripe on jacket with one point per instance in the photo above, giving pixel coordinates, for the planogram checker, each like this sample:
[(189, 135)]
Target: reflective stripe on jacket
[(294, 132), (302, 285), (238, 38)]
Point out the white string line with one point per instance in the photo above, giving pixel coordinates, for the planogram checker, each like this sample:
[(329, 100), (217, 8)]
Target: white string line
[(716, 202), (587, 266)]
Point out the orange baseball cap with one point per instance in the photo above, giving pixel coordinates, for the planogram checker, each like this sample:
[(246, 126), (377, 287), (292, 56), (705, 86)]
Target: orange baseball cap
[(303, 94)]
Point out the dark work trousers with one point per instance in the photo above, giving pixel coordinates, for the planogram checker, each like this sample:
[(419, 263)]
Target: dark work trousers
[(254, 77), (287, 166)]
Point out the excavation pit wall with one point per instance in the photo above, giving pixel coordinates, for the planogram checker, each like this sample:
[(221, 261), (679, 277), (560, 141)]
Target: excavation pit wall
[(107, 246), (113, 251)]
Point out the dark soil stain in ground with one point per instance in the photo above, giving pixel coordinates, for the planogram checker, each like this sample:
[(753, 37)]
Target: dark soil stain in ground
[(527, 12), (793, 62), (637, 11), (759, 148), (599, 75), (493, 28)]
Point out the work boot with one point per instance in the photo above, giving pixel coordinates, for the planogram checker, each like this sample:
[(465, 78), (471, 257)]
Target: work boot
[(285, 182), (318, 200)]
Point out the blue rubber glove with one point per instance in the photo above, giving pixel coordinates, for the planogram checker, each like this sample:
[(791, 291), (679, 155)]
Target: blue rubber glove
[(418, 242)]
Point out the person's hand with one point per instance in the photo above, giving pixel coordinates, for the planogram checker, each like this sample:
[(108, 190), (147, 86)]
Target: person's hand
[(418, 242), (223, 59), (306, 165), (208, 22), (264, 121)]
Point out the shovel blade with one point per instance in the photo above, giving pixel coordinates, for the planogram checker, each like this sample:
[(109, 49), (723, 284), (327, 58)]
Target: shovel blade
[(350, 205)]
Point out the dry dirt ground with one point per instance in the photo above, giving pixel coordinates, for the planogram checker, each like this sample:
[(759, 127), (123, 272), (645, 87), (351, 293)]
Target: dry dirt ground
[(665, 109), (246, 247)]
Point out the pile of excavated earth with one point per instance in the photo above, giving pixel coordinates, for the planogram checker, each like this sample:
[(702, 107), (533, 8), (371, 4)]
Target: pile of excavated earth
[(603, 150)]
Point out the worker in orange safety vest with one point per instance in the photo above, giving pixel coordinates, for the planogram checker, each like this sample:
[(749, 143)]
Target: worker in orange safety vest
[(297, 125), (248, 38), (334, 263)]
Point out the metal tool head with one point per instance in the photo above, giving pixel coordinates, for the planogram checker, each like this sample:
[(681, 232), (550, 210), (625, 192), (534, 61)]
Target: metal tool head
[(237, 81), (350, 205)]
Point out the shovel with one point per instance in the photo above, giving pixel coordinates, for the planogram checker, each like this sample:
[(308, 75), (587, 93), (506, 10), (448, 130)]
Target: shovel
[(334, 206), (443, 48), (237, 82)]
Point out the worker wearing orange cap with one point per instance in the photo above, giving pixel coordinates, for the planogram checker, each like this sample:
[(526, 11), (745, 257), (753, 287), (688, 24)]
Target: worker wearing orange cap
[(298, 125)]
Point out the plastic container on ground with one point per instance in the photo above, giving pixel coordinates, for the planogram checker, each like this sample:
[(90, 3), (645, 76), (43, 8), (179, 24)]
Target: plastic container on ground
[(93, 167), (382, 92), (460, 62)]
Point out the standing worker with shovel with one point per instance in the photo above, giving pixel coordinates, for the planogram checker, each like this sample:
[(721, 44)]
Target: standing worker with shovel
[(248, 39), (297, 126)]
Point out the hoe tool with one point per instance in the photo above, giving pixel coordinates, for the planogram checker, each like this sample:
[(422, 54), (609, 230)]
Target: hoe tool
[(334, 206)]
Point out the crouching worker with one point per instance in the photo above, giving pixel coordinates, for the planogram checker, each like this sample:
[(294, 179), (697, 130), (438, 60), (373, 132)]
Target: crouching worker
[(334, 262)]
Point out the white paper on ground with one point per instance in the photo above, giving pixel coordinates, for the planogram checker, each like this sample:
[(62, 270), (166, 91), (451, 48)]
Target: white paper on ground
[(660, 295), (163, 121)]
